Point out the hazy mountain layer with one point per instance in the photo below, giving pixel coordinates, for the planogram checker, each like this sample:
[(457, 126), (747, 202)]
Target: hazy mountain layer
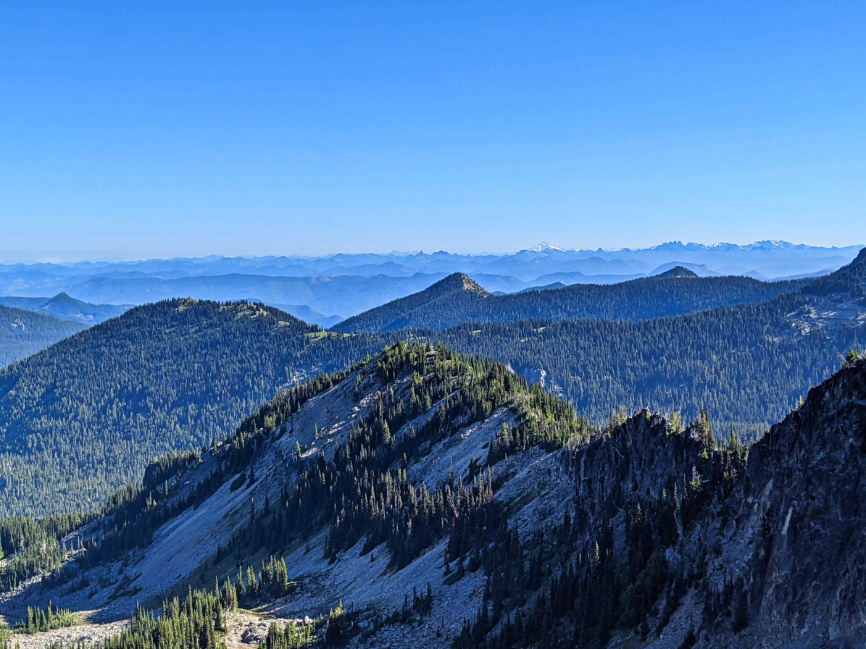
[(344, 285), (771, 259), (64, 307)]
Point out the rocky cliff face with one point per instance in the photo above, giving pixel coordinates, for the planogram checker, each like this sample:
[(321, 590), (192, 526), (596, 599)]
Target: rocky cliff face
[(643, 458), (765, 549), (801, 520)]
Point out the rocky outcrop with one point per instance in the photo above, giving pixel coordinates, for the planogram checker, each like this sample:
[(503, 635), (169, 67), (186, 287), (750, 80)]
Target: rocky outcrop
[(642, 458), (801, 516), (772, 546)]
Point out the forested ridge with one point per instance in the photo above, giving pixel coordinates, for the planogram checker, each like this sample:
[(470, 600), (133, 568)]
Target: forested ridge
[(363, 492), (93, 410), (23, 333), (747, 364), (457, 299), (849, 280)]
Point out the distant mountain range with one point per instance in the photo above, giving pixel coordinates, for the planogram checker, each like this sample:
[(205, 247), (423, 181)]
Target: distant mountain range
[(334, 287), (64, 307)]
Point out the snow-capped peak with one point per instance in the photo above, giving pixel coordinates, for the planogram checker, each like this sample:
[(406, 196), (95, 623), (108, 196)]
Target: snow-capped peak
[(769, 245), (543, 247)]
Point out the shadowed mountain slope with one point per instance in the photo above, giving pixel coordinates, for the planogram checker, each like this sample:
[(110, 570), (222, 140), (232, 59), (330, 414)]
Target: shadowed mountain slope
[(850, 281), (676, 271), (675, 542), (23, 333), (455, 298)]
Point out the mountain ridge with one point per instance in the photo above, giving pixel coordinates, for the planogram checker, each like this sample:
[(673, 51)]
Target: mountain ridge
[(647, 533), (639, 299), (92, 410), (360, 286), (677, 272)]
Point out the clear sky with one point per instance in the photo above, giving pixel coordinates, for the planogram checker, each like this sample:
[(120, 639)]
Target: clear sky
[(155, 129)]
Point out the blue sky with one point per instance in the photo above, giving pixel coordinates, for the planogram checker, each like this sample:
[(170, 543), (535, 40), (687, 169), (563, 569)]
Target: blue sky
[(154, 129)]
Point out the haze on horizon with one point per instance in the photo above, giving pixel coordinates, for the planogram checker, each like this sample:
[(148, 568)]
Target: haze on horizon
[(159, 130), (387, 254)]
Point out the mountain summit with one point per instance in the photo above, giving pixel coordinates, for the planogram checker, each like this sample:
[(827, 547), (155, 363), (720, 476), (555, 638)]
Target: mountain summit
[(455, 282), (545, 247), (457, 299), (676, 272), (455, 295)]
